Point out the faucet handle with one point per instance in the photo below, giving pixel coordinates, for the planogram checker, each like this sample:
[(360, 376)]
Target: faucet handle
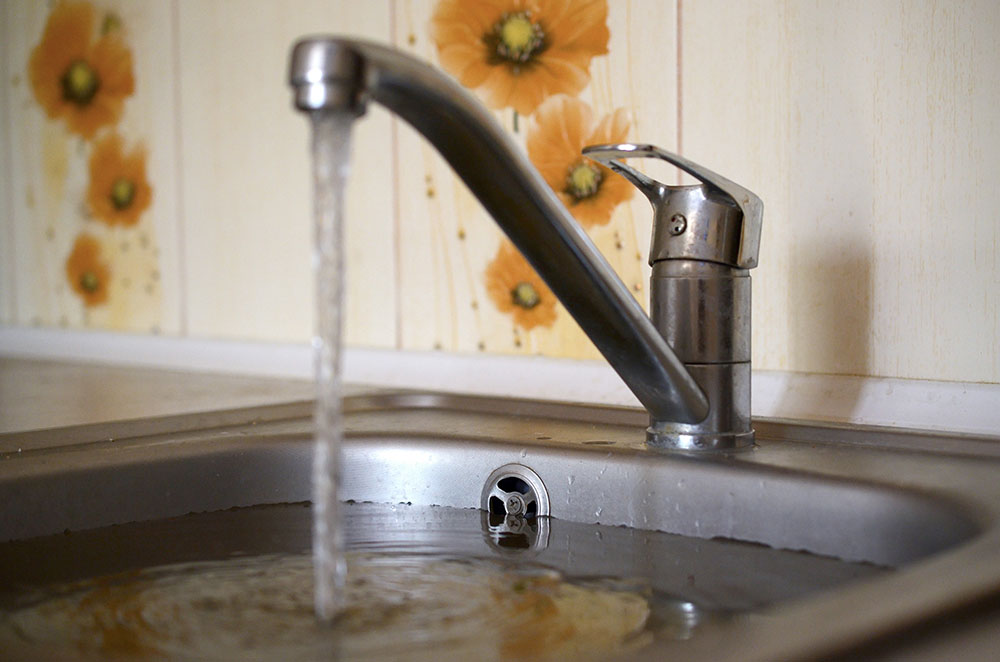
[(718, 220)]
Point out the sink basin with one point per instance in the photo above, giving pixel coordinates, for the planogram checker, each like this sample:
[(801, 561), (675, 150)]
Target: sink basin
[(819, 540)]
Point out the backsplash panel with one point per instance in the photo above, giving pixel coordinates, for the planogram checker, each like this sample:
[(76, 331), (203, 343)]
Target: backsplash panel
[(246, 181), (869, 130), (84, 262), (447, 242)]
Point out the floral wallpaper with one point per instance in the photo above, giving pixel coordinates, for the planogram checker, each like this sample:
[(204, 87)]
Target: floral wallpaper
[(81, 75), (563, 127), (154, 179), (518, 291), (101, 87), (517, 53), (533, 57), (95, 193)]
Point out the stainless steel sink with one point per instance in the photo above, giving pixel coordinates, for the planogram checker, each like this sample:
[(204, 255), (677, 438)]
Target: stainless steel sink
[(925, 505)]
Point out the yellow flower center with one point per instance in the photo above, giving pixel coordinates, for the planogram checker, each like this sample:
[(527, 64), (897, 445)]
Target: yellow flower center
[(89, 281), (583, 180), (80, 83), (517, 37), (122, 193), (525, 295)]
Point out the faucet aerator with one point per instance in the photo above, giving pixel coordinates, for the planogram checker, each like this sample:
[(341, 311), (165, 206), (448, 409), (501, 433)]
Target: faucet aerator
[(326, 74)]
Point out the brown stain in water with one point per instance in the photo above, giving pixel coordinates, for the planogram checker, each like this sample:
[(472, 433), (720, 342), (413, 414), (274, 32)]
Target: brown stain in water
[(119, 624)]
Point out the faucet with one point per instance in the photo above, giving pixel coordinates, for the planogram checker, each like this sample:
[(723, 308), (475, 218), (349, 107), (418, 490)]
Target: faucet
[(704, 242)]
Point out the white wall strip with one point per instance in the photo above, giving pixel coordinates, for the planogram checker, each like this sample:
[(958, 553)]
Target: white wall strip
[(235, 357), (907, 403), (951, 406)]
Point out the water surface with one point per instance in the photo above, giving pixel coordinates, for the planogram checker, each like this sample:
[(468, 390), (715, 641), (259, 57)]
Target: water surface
[(424, 583)]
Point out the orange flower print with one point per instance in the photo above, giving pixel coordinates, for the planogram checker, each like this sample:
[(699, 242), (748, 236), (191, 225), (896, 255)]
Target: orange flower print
[(519, 52), (562, 127), (517, 290), (88, 275), (77, 79), (118, 191)]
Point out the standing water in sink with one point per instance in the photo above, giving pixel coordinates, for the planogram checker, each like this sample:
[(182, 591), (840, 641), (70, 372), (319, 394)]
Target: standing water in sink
[(425, 584), (331, 157)]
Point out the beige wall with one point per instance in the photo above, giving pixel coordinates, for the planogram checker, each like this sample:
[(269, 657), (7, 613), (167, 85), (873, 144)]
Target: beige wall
[(871, 130)]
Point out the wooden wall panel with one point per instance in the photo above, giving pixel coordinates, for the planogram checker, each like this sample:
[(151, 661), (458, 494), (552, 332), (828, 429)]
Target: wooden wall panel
[(870, 131), (48, 179), (246, 192)]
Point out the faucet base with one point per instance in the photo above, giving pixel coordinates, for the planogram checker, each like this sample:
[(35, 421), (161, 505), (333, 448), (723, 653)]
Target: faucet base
[(698, 442), (728, 424), (703, 311)]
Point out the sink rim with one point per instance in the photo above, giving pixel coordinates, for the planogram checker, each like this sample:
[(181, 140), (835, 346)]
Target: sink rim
[(847, 617)]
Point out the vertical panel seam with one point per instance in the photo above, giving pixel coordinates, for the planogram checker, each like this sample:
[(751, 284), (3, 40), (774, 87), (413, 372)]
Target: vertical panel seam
[(180, 235), (397, 251), (8, 159), (680, 83)]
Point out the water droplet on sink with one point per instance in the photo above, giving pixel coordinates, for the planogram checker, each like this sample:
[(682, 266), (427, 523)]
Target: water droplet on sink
[(570, 478), (524, 452), (597, 513)]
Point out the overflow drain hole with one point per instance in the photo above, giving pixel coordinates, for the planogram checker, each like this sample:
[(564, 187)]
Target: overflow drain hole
[(515, 490)]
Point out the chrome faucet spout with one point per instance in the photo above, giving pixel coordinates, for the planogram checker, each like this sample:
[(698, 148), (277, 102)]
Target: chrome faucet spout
[(329, 73)]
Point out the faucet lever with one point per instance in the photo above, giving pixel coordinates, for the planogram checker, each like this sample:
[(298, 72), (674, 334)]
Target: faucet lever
[(740, 250), (705, 241)]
